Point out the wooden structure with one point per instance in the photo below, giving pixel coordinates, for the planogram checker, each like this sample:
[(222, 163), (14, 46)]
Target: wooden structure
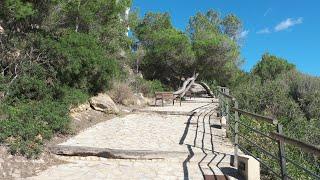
[(164, 96), (229, 108), (186, 86), (189, 94)]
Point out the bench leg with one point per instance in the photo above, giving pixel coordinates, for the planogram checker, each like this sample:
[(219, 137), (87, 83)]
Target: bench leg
[(180, 101), (162, 101)]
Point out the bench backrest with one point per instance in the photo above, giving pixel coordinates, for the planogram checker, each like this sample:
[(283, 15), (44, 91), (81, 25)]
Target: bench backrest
[(166, 95)]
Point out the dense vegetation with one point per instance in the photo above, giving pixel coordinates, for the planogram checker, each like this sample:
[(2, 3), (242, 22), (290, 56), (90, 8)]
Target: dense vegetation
[(209, 46), (275, 88), (54, 54)]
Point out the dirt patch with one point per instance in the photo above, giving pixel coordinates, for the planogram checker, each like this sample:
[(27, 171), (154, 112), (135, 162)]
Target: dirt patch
[(14, 167)]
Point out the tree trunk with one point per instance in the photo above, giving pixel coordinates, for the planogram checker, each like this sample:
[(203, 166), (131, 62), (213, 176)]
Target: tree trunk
[(207, 88), (186, 86)]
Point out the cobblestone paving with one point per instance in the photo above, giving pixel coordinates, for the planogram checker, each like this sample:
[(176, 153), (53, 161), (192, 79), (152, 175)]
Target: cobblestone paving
[(200, 144)]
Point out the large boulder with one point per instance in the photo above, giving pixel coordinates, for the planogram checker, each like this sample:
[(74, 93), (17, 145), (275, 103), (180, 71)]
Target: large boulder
[(103, 102)]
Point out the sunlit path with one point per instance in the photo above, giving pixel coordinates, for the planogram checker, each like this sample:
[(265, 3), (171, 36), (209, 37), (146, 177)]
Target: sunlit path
[(153, 146)]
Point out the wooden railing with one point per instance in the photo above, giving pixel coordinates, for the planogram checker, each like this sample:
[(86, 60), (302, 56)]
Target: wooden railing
[(228, 106)]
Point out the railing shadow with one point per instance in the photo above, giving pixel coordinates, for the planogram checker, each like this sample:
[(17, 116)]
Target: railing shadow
[(205, 112), (202, 145), (186, 130)]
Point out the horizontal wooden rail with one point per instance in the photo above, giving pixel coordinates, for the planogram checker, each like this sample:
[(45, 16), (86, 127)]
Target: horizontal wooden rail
[(226, 95), (226, 106), (304, 146), (257, 116)]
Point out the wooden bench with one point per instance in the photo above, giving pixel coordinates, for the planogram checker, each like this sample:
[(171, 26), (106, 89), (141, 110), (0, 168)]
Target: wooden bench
[(164, 96), (188, 94)]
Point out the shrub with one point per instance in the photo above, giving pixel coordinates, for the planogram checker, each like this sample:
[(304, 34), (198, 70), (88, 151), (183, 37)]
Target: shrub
[(32, 84), (47, 67), (121, 93), (270, 67), (71, 96), (83, 63), (293, 98), (28, 124), (147, 87)]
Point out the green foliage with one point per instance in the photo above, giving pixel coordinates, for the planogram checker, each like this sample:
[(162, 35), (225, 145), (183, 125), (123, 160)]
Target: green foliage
[(232, 26), (148, 88), (216, 58), (32, 85), (168, 54), (71, 96), (53, 56), (29, 124), (168, 57), (104, 18), (217, 53), (17, 9), (204, 25), (271, 66), (276, 89), (84, 64), (151, 23), (305, 90)]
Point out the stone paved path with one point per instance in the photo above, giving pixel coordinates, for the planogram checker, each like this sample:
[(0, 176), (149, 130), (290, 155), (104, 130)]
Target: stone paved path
[(195, 146)]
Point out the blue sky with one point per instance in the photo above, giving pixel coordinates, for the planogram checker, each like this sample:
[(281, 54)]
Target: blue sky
[(287, 28)]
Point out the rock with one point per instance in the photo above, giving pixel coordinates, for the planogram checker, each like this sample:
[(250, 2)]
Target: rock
[(128, 102), (140, 100), (103, 102), (81, 108), (126, 110), (39, 137)]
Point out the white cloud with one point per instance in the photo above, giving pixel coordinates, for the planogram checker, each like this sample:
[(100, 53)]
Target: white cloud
[(288, 23), (243, 34), (264, 31)]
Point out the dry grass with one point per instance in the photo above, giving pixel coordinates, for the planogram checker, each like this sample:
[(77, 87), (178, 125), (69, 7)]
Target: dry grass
[(121, 93)]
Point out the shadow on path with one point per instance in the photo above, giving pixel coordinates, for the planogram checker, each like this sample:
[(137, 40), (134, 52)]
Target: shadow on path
[(206, 112), (191, 153)]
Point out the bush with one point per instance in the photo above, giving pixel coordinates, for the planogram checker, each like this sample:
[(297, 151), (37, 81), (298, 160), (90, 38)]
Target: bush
[(270, 67), (121, 93), (292, 98), (28, 124), (33, 84), (83, 63), (147, 87), (72, 97), (47, 67)]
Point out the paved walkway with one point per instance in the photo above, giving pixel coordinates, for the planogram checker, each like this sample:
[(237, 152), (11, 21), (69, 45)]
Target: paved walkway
[(184, 147)]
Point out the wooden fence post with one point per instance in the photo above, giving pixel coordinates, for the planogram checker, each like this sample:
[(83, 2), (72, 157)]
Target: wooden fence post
[(282, 155), (236, 132)]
